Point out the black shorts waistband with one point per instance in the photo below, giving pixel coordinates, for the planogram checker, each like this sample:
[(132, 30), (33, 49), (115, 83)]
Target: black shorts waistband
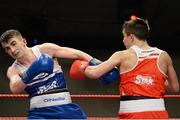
[(55, 91), (125, 98)]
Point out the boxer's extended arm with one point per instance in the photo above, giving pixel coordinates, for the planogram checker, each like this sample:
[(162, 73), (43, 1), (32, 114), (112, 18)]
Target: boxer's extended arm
[(110, 76), (77, 71), (63, 52), (106, 71)]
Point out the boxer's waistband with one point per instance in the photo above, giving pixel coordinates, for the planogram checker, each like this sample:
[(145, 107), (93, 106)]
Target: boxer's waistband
[(50, 100), (141, 105)]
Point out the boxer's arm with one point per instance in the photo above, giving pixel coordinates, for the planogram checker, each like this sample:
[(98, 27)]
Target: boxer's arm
[(78, 67), (109, 77), (15, 82), (172, 83), (105, 67), (18, 82), (63, 52)]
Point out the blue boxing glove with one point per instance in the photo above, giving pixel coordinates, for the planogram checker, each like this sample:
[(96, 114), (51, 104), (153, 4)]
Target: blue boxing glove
[(44, 64), (109, 77)]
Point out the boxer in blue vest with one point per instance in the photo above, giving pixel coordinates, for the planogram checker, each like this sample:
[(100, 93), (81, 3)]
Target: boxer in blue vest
[(37, 71)]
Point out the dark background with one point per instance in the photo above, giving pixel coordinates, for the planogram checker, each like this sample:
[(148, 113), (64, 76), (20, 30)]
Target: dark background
[(93, 26), (90, 23)]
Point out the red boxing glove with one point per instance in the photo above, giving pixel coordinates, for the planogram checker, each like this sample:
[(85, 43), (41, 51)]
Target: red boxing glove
[(77, 70)]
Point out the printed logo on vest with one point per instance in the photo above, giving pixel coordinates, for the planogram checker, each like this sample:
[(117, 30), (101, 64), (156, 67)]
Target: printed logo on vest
[(144, 79), (45, 88)]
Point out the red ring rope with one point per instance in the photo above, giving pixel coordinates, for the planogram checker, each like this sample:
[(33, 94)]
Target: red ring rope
[(77, 96)]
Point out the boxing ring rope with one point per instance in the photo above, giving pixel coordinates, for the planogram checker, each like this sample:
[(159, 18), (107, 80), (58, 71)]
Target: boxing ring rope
[(77, 96)]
